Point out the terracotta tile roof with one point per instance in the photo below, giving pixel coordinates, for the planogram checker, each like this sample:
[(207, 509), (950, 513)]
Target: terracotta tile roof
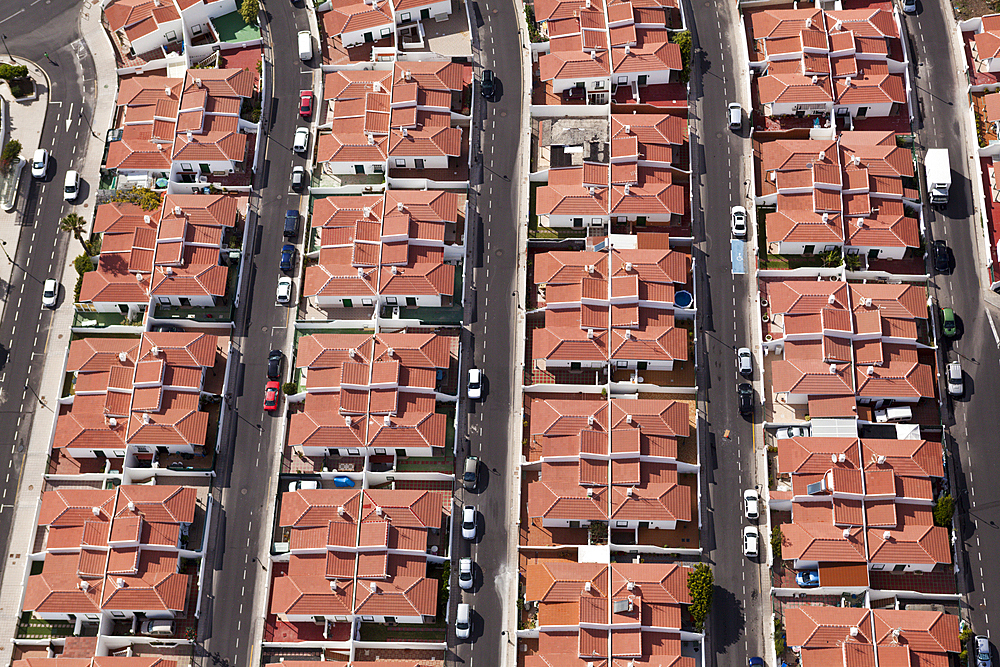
[(821, 541), (87, 355), (811, 377), (915, 540), (357, 16), (826, 626), (799, 296), (574, 65), (157, 504), (917, 458), (921, 631), (428, 141), (180, 348), (801, 456), (433, 75), (783, 88)]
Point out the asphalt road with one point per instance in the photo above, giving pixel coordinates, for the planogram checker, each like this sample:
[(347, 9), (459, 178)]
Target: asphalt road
[(969, 420), (41, 250), (718, 182), (493, 239), (260, 327)]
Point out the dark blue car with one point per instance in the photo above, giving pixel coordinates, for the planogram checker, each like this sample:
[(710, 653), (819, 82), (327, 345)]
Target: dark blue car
[(287, 257)]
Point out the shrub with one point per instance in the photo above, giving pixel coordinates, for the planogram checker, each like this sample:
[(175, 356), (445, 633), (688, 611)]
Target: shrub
[(779, 637), (82, 264), (289, 388), (11, 72), (529, 17), (944, 510), (249, 10), (144, 198), (683, 40), (598, 532), (11, 151), (776, 539), (701, 586)]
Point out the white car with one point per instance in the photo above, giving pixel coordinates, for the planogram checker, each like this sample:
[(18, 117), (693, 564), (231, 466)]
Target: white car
[(469, 522), (71, 186), (791, 432), (301, 141), (739, 215), (284, 292), (50, 292), (475, 384), (465, 576), (40, 163), (956, 386), (744, 361), (735, 116), (910, 6), (304, 484), (751, 538), (751, 504), (463, 621)]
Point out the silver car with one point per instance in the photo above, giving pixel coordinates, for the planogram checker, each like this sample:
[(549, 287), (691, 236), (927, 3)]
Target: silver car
[(739, 221), (465, 575), (744, 361), (469, 522), (956, 385), (751, 540), (50, 292), (751, 504), (301, 141)]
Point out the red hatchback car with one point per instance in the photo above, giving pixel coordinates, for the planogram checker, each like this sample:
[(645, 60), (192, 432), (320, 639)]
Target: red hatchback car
[(271, 396), (305, 103)]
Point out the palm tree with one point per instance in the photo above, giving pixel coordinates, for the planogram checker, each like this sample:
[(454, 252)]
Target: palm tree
[(75, 224)]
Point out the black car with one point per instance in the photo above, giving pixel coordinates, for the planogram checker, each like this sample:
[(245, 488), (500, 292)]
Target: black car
[(489, 84), (287, 257), (274, 363), (165, 327), (291, 224), (298, 179), (745, 393), (942, 261)]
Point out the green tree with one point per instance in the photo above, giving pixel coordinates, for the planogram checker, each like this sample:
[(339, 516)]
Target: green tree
[(11, 152), (683, 40), (777, 537), (944, 509), (249, 10), (701, 586), (76, 225), (11, 72)]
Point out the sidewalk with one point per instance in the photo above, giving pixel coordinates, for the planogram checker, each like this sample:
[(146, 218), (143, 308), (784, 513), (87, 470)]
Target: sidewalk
[(26, 126)]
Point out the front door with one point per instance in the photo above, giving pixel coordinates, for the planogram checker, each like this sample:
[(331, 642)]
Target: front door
[(411, 301), (348, 303), (873, 253), (862, 112), (359, 169), (808, 250), (642, 79), (425, 14), (418, 163), (205, 169), (369, 37)]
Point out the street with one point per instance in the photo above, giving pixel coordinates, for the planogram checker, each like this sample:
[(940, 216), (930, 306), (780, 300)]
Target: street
[(734, 628)]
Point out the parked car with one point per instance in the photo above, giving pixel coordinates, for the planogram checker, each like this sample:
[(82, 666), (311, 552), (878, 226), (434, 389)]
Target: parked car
[(751, 504), (287, 257), (304, 484), (744, 361), (298, 179), (50, 293), (948, 325), (807, 578), (157, 627), (910, 6), (469, 522), (984, 657), (305, 103), (744, 391), (942, 261), (71, 186), (301, 140), (471, 477), (751, 540), (475, 384), (956, 385), (291, 228), (166, 327), (791, 432), (489, 84), (463, 621), (275, 360), (271, 396), (735, 116), (894, 414), (739, 221), (465, 574), (40, 163), (755, 662), (284, 292)]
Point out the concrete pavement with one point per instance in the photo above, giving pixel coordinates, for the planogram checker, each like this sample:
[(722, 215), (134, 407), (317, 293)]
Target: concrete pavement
[(27, 123)]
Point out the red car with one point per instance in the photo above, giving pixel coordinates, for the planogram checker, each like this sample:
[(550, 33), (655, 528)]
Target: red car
[(305, 103), (271, 396)]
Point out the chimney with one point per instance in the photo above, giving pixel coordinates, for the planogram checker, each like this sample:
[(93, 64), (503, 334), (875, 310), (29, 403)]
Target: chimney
[(119, 582), (847, 82), (148, 220), (815, 79), (833, 369), (841, 457), (361, 272), (407, 75), (590, 420), (590, 269), (880, 459), (394, 270), (628, 49), (112, 422), (590, 334), (123, 357), (333, 586), (367, 211), (587, 587), (387, 421), (155, 351), (590, 493), (628, 419), (592, 190), (371, 139), (169, 270), (178, 211), (822, 155), (139, 278), (391, 351), (347, 421), (867, 301), (628, 129), (870, 371), (839, 25), (860, 223), (627, 188), (630, 585), (378, 511), (352, 353), (831, 299), (166, 91), (341, 511), (593, 53), (96, 511), (145, 417), (190, 136), (854, 631), (197, 81), (84, 586), (629, 491), (628, 267), (131, 506), (400, 207), (826, 217), (886, 535), (809, 22), (404, 132), (847, 533)]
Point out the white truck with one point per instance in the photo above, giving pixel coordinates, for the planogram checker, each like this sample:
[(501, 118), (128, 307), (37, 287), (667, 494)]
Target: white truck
[(937, 167)]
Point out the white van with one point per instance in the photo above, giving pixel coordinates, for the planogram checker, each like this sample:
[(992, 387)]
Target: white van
[(893, 414), (71, 186), (463, 621), (305, 45), (161, 628)]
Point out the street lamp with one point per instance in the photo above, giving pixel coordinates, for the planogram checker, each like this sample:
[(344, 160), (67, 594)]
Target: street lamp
[(4, 38), (3, 246), (84, 116)]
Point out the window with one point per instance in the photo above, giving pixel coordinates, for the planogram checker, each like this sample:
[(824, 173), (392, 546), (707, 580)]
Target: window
[(599, 85), (378, 169), (379, 450), (622, 80), (367, 302), (385, 32), (596, 222), (400, 162), (878, 566), (370, 619), (621, 524), (186, 166), (391, 300), (622, 218), (404, 17), (196, 30), (353, 452), (578, 222), (141, 450), (622, 364), (171, 36), (340, 619)]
